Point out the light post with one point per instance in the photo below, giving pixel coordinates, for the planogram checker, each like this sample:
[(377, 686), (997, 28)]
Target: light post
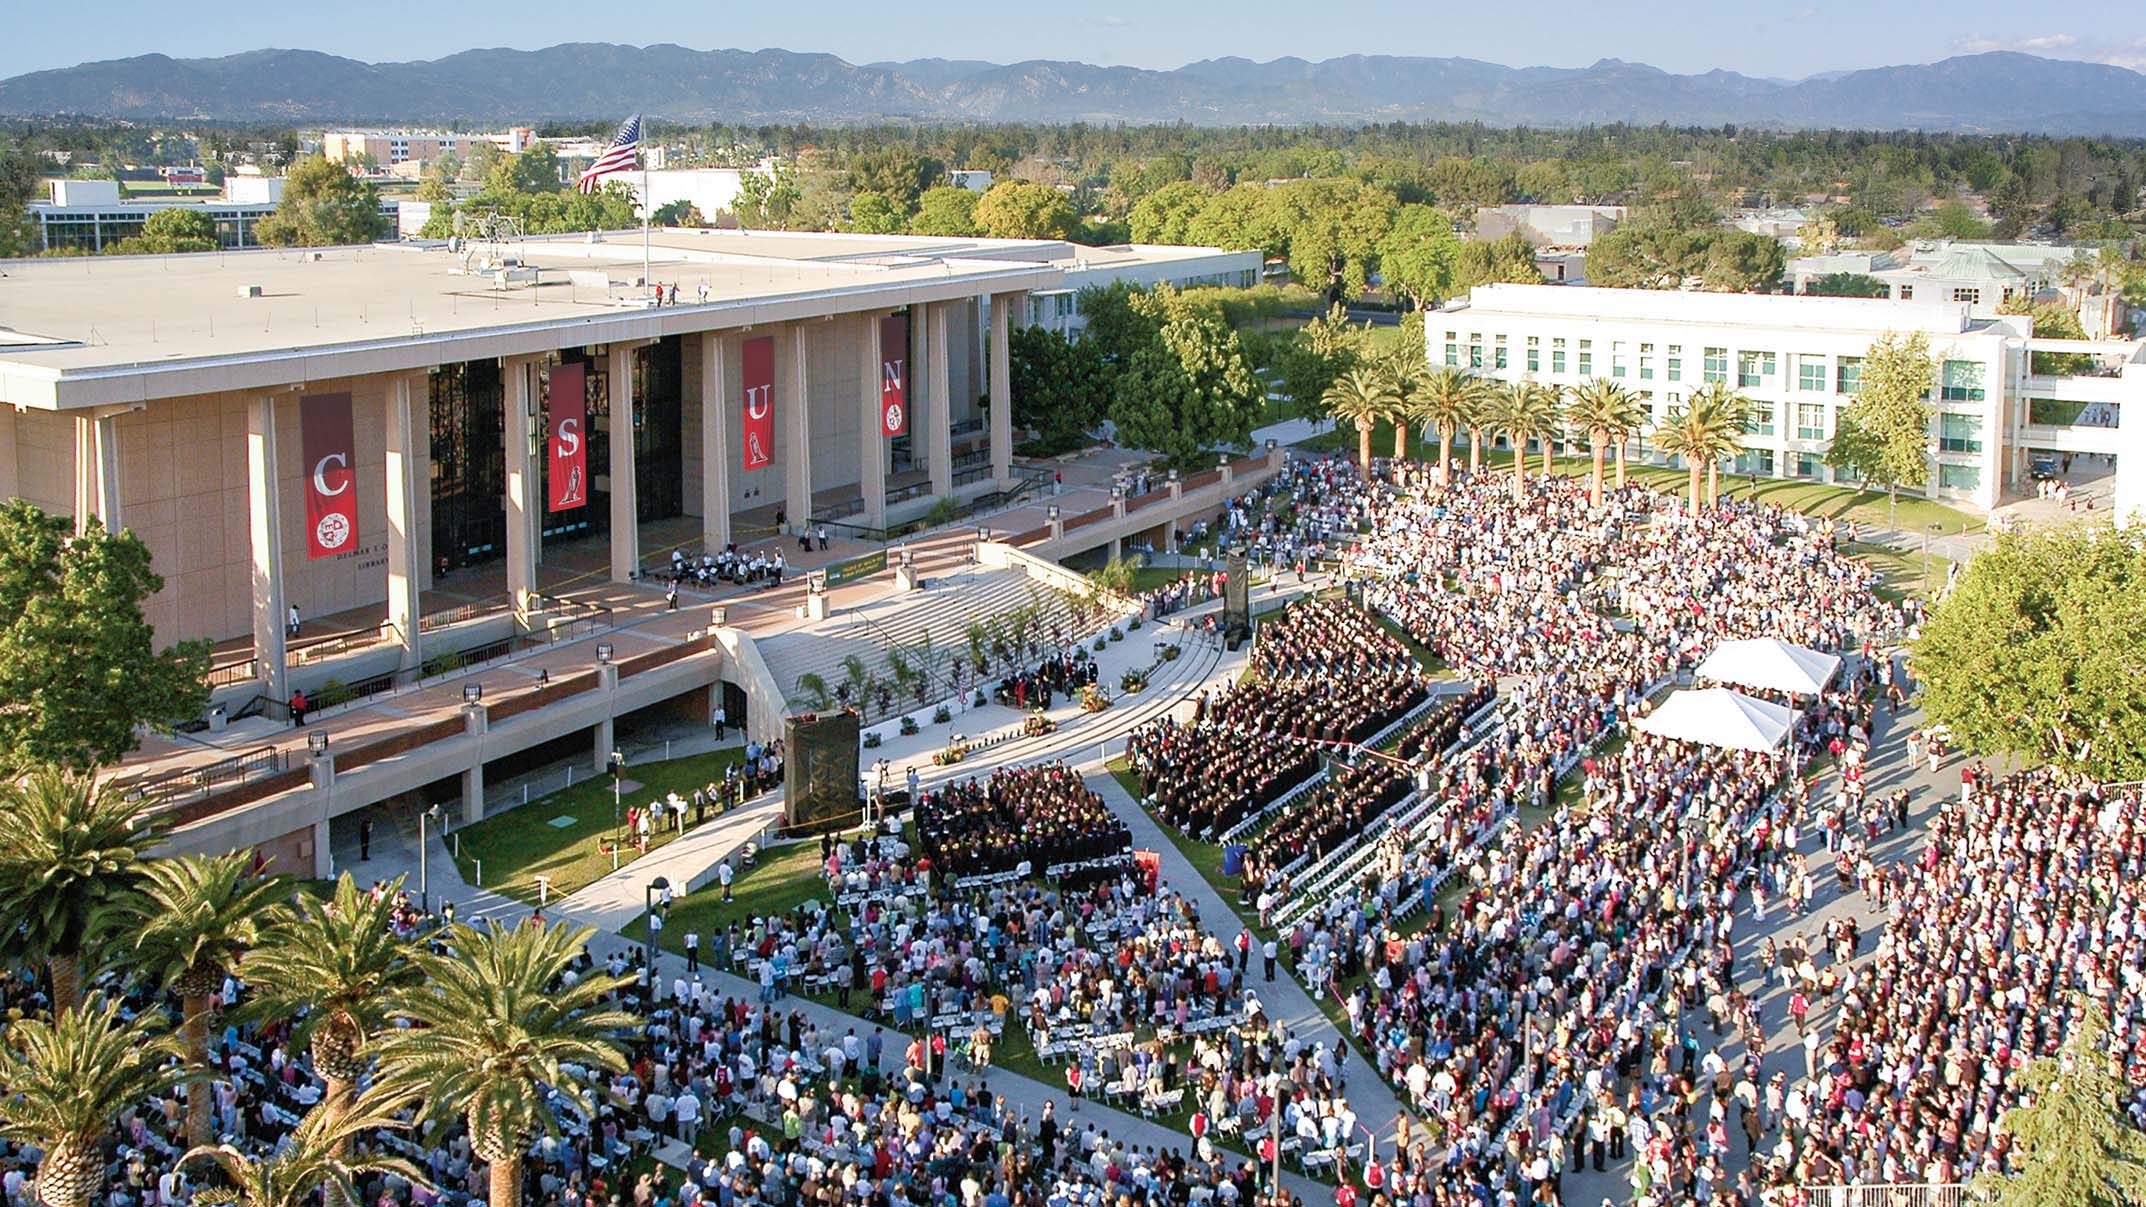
[(617, 765), (1936, 528), (424, 879), (655, 954)]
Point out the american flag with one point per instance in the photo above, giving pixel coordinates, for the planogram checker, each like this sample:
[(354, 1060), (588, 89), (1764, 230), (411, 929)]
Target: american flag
[(618, 157)]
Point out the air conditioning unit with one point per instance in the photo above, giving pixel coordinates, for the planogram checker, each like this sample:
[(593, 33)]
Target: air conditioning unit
[(249, 291)]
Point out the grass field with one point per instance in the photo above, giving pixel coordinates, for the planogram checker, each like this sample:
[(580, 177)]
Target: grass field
[(1811, 498), (559, 835), (1905, 573), (784, 878)]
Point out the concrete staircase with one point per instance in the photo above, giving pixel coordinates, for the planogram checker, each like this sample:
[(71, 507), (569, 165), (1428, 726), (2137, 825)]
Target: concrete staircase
[(943, 608)]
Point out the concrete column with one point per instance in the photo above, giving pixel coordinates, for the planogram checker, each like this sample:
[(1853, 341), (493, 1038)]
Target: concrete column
[(795, 403), (517, 376), (85, 471), (1002, 389), (1117, 548), (323, 858), (625, 493), (265, 529), (406, 432), (474, 722), (10, 468), (714, 443), (938, 407), (603, 734), (108, 472), (97, 470), (871, 436)]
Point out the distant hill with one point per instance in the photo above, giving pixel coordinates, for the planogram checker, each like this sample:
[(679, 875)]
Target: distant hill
[(2000, 91)]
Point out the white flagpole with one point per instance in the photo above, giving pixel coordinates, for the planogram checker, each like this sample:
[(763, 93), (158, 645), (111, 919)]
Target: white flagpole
[(648, 278)]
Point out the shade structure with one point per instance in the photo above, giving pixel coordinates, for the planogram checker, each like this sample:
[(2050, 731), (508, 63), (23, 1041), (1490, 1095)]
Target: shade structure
[(1770, 664), (1716, 716)]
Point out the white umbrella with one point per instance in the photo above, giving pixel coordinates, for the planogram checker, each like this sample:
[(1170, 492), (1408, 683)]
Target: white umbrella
[(1770, 664)]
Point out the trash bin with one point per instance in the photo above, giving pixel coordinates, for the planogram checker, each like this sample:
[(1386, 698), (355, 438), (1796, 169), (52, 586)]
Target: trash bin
[(217, 718)]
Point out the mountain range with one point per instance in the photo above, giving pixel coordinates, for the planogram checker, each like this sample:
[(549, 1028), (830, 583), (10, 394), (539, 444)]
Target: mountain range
[(1997, 91)]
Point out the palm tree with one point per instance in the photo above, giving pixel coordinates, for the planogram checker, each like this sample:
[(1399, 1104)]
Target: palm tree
[(192, 918), (1697, 434), (66, 1079), (1633, 419), (69, 848), (1522, 410), (1362, 398), (1448, 401), (331, 966), (1402, 376), (492, 1029), (1550, 430), (1599, 407), (316, 1154), (1728, 414)]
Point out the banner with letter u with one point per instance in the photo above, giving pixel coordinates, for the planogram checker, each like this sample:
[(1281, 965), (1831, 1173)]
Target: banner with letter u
[(325, 434), (894, 374), (759, 380), (567, 399)]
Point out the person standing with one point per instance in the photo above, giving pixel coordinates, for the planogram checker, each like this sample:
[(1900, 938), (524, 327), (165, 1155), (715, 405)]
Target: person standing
[(722, 721), (365, 838), (299, 707), (1268, 952), (723, 876), (291, 620)]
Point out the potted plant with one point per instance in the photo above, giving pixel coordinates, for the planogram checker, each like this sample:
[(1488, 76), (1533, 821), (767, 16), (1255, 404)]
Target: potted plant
[(909, 726)]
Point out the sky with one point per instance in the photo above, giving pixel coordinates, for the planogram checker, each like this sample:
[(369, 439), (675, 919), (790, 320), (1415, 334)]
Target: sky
[(1785, 39)]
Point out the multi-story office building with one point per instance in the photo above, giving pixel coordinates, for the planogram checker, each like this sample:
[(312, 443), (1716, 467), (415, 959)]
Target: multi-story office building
[(1799, 360), (88, 215), (391, 148)]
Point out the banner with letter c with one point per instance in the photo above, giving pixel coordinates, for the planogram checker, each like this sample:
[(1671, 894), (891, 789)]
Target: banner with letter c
[(894, 374), (325, 434), (759, 381), (567, 399)]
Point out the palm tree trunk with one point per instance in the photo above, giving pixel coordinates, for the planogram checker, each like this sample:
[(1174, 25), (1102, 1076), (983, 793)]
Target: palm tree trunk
[(506, 1180), (1520, 468), (1620, 463), (1363, 448), (1547, 452), (1445, 456), (66, 974), (1400, 439), (1475, 450), (200, 1111), (1595, 450), (1694, 467)]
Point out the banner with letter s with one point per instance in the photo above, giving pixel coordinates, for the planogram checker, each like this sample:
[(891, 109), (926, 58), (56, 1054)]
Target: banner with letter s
[(325, 434), (567, 399), (759, 380), (894, 374)]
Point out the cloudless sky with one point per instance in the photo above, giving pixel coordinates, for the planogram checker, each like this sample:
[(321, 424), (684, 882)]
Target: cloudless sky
[(1787, 38)]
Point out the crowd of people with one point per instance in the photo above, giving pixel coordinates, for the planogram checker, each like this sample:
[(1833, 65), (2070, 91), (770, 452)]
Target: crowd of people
[(1038, 816), (730, 565), (1057, 675)]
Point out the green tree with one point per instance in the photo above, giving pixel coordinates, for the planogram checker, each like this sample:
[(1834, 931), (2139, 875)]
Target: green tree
[(1884, 435), (65, 1080), (1509, 261), (2033, 654), (168, 231), (1523, 410), (1847, 285), (946, 211), (769, 200), (1419, 254), (75, 602), (1166, 215), (323, 206), (1360, 398), (1187, 392), (896, 173), (18, 186), (2073, 1143), (678, 213), (1726, 417), (70, 851), (535, 170), (1601, 408), (434, 191), (1404, 368), (1740, 262), (1315, 355), (1951, 220), (1061, 388), (876, 214), (190, 920), (314, 1156), (495, 1037), (1451, 400), (1016, 209), (2052, 320)]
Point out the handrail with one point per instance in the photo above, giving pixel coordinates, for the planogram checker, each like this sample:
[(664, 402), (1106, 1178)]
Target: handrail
[(172, 787)]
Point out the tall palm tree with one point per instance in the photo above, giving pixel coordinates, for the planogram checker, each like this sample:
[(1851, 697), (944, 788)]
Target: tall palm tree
[(331, 967), (1556, 424), (1634, 417), (191, 919), (1403, 370), (69, 849), (1448, 401), (1698, 434), (1599, 408), (1522, 411), (1728, 415), (491, 1030), (315, 1154), (1361, 398), (63, 1082)]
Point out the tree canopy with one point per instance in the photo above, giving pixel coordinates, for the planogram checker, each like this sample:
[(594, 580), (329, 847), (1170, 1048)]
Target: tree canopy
[(946, 211), (2074, 1143), (323, 206), (1188, 391), (75, 602), (2035, 653), (180, 229), (1017, 209), (1061, 388), (1419, 255), (1847, 285), (1884, 435)]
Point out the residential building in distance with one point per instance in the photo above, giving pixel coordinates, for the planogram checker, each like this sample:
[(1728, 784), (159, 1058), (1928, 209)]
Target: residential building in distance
[(1983, 275), (976, 180), (1139, 264), (406, 152), (1560, 234), (1799, 360), (89, 215)]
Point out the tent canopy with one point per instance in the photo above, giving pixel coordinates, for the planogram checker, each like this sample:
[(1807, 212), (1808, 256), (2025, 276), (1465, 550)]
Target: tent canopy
[(1716, 716), (1770, 665)]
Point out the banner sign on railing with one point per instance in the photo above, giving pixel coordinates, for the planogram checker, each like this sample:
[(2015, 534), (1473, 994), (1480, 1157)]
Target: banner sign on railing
[(857, 568)]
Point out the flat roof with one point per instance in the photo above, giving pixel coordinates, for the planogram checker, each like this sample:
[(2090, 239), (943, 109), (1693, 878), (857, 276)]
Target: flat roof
[(115, 329), (1772, 311)]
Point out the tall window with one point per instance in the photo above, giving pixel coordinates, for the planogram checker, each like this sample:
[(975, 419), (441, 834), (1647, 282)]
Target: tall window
[(1848, 378), (1453, 348), (1963, 381), (1810, 421), (1959, 433), (469, 463), (1676, 362), (1761, 421), (1811, 373), (1587, 358), (1534, 354), (1501, 351), (1617, 367), (1716, 367), (1753, 368), (1964, 478)]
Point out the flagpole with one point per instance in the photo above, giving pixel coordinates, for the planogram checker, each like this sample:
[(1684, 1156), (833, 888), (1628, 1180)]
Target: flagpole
[(648, 279)]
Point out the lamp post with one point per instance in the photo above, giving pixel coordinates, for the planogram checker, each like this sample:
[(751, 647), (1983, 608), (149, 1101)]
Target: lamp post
[(655, 954), (424, 879), (617, 764), (1932, 528)]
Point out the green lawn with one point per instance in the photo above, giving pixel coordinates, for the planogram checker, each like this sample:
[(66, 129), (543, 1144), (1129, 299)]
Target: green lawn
[(1812, 498), (522, 843), (784, 878), (1903, 573)]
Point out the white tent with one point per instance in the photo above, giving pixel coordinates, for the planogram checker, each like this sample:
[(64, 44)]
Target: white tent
[(1770, 665), (1716, 716)]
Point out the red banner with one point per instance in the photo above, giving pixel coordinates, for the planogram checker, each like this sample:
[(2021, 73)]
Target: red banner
[(760, 402), (567, 398), (324, 432), (894, 374)]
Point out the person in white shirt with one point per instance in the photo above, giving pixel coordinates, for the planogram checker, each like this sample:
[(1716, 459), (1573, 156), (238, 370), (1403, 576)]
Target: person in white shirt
[(687, 1111)]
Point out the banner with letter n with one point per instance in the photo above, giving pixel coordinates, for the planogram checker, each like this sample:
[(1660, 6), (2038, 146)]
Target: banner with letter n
[(325, 433), (759, 402), (894, 375), (566, 398)]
